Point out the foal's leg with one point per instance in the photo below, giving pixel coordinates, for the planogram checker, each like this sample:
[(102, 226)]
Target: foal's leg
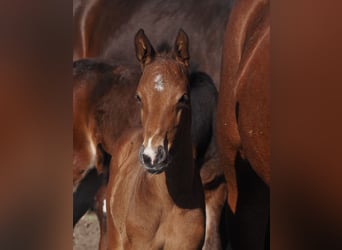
[(101, 212), (83, 197), (85, 177), (102, 166), (88, 187)]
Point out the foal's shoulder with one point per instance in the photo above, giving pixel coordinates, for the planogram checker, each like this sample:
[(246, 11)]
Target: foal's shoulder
[(127, 144)]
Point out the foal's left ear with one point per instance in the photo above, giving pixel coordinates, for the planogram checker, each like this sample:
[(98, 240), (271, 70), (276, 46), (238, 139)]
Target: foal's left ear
[(181, 47)]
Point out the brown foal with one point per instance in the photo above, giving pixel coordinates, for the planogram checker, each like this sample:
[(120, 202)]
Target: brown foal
[(155, 197)]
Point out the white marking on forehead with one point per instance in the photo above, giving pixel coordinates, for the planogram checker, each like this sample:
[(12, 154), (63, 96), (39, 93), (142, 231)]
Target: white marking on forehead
[(159, 85)]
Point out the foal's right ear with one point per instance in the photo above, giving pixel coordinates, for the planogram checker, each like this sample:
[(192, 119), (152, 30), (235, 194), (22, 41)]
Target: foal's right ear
[(143, 48), (182, 47)]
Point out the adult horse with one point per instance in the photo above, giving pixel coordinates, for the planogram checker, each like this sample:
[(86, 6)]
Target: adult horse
[(105, 28), (243, 116), (96, 106), (155, 196), (104, 107)]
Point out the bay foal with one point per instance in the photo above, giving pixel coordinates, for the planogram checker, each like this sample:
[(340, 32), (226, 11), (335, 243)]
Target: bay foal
[(155, 197)]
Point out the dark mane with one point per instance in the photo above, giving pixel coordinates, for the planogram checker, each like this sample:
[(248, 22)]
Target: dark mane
[(80, 67), (164, 48)]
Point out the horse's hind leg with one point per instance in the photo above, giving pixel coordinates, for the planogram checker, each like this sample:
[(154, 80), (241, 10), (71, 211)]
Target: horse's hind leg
[(83, 197), (89, 183), (215, 191), (213, 215)]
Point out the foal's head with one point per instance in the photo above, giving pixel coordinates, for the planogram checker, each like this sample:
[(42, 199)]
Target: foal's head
[(163, 93)]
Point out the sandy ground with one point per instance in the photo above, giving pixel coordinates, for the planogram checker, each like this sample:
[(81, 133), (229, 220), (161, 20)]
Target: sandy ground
[(87, 233)]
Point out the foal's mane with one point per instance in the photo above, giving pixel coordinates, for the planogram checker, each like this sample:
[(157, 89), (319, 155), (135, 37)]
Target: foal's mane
[(164, 49)]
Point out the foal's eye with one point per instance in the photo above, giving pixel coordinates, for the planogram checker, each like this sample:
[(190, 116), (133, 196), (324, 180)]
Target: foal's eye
[(184, 99), (138, 98)]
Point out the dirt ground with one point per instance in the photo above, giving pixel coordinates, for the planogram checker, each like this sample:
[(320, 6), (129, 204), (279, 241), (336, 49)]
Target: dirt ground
[(87, 233)]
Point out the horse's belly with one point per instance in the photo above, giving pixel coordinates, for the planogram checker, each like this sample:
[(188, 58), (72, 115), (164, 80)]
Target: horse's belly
[(254, 112)]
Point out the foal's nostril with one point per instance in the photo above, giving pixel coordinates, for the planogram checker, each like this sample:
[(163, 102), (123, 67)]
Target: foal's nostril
[(146, 159), (152, 158), (161, 154)]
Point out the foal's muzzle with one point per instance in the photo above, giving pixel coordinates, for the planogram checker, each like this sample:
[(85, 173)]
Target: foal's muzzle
[(154, 162)]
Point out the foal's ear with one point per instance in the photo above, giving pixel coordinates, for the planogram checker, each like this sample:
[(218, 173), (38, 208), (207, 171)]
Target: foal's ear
[(143, 48), (181, 47)]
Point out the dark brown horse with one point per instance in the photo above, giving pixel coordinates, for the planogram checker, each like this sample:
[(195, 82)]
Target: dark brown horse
[(243, 117), (105, 28), (102, 98), (98, 91), (155, 197), (103, 92)]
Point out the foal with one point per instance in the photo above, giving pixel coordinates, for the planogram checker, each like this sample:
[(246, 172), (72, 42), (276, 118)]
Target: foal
[(155, 197)]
